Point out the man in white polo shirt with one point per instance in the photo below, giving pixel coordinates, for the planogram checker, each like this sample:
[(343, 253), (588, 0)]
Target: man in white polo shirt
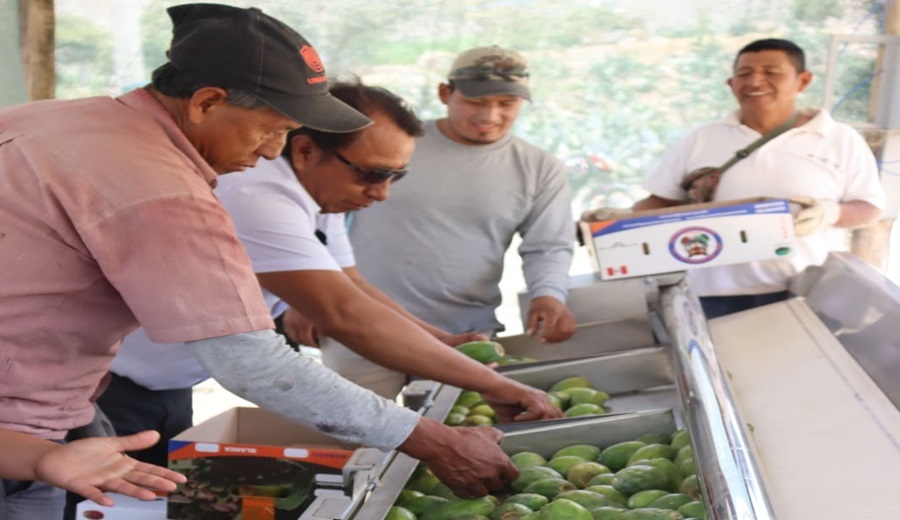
[(821, 163)]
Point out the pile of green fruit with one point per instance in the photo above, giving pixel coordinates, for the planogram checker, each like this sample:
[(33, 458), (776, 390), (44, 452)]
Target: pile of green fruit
[(573, 395), (650, 478), (491, 352)]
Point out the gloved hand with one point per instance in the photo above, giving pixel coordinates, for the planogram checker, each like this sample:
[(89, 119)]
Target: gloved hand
[(814, 215), (600, 214)]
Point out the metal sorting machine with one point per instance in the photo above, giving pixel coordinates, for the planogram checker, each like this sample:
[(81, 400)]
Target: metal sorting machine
[(792, 407)]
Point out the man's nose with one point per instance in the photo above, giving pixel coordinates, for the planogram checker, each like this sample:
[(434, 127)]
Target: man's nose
[(489, 112), (379, 191), (271, 148)]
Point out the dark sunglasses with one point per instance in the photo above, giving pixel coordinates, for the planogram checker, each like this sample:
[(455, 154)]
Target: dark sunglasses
[(488, 73), (374, 175)]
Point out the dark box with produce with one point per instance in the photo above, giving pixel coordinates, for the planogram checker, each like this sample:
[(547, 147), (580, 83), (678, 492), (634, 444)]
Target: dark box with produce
[(250, 464)]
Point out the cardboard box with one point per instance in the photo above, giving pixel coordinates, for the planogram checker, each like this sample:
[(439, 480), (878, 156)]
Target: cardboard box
[(691, 236), (252, 464), (126, 508)]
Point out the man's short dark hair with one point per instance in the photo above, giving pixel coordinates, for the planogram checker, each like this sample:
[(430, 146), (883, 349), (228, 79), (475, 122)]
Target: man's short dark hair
[(171, 82), (368, 100), (793, 51)]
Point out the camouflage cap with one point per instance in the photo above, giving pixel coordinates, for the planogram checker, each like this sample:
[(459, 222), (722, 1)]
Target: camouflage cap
[(490, 71)]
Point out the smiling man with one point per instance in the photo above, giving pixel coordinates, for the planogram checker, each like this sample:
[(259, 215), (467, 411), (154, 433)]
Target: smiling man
[(824, 165), (438, 246)]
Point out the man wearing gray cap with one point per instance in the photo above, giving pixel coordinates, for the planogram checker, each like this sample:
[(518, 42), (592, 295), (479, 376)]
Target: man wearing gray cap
[(108, 219), (437, 246)]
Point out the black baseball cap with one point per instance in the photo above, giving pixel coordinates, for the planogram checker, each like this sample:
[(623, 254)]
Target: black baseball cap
[(246, 49)]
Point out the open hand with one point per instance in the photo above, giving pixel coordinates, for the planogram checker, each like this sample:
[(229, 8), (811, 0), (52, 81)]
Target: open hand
[(89, 467)]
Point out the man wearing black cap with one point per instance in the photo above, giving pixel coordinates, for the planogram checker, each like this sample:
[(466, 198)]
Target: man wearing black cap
[(472, 187), (108, 219)]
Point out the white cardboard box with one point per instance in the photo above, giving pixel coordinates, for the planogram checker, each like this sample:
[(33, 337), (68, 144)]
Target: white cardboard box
[(691, 236), (126, 508)]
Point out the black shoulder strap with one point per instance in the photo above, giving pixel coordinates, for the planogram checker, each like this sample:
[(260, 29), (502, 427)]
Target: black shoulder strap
[(768, 136)]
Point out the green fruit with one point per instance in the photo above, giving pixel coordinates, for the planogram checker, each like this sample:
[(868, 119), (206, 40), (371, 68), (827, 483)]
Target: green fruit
[(419, 505), (652, 514), (585, 451), (468, 399), (683, 454), (671, 501), (511, 511), (639, 478), (655, 438), (455, 419), (680, 439), (669, 468), (483, 409), (643, 498), (407, 494), (616, 457), (532, 474), (652, 451), (602, 479), (555, 401), (524, 459), (582, 473), (564, 463), (482, 351), (469, 508), (460, 409), (687, 467), (587, 396), (609, 491), (443, 490), (532, 501), (690, 486), (693, 509), (563, 397), (399, 513), (588, 499), (562, 509), (549, 487), (608, 513), (570, 382), (478, 420), (584, 409), (422, 480)]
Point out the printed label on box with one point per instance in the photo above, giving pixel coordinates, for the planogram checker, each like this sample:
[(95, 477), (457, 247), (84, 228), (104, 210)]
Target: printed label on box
[(677, 241)]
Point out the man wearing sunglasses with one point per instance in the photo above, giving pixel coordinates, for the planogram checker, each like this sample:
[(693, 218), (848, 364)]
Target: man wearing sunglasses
[(289, 214), (438, 246)]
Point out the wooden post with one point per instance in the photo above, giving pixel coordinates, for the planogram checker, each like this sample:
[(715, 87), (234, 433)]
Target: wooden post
[(872, 243), (37, 42)]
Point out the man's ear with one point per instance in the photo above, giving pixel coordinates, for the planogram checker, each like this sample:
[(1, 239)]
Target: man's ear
[(203, 100), (805, 78), (301, 149), (444, 92)]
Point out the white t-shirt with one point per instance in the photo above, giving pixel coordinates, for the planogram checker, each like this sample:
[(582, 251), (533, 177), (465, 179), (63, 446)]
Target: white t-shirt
[(276, 220), (822, 159)]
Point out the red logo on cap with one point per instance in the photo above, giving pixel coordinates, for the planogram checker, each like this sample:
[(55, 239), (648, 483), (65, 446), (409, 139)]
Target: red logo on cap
[(312, 59)]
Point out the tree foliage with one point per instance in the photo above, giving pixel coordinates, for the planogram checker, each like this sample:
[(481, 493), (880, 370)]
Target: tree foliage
[(611, 89)]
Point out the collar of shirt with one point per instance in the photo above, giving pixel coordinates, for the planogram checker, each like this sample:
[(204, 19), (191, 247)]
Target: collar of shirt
[(821, 121)]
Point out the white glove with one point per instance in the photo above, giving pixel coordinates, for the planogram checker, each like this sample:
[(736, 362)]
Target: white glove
[(814, 215), (601, 214)]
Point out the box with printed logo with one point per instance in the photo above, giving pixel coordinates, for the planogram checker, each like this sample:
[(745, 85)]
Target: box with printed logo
[(250, 464), (691, 236)]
